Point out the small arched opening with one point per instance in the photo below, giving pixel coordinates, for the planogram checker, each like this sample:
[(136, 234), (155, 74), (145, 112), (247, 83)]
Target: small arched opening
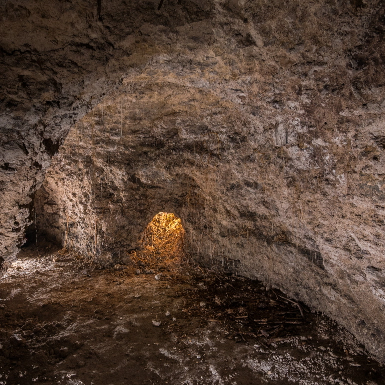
[(162, 242)]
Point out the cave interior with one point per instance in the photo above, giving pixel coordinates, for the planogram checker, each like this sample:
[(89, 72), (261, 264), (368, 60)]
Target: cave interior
[(192, 192)]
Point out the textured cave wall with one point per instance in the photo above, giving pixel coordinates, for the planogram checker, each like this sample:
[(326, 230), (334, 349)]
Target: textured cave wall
[(259, 123), (57, 60)]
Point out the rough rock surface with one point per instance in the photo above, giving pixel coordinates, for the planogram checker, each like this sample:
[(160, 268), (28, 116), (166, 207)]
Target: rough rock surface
[(64, 323), (259, 123)]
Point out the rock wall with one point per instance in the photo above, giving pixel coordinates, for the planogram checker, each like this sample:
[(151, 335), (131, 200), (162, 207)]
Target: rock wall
[(57, 60), (259, 125)]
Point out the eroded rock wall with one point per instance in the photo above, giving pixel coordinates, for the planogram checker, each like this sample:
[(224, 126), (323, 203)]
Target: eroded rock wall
[(57, 60), (260, 124)]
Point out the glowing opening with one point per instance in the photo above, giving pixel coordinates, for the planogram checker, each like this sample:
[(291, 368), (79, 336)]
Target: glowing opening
[(162, 242)]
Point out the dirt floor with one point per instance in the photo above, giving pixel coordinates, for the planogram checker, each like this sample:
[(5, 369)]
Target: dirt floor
[(62, 321)]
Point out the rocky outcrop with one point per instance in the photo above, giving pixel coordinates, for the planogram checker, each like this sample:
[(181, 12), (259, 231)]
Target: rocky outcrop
[(260, 126)]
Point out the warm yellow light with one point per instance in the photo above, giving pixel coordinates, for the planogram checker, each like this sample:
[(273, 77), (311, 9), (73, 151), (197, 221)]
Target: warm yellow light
[(162, 242)]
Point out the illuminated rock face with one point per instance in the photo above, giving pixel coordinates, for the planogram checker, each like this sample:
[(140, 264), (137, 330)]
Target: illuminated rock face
[(260, 126)]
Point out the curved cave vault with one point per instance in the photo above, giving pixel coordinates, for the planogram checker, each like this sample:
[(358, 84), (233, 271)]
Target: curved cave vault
[(224, 112), (162, 242), (155, 145), (124, 161)]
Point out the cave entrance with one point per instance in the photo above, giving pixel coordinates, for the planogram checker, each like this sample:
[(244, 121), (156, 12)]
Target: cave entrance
[(162, 242)]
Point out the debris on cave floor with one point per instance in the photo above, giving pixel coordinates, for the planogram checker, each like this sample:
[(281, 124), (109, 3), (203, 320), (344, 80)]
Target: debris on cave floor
[(65, 322)]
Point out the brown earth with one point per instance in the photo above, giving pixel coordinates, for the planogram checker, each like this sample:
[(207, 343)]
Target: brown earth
[(63, 321)]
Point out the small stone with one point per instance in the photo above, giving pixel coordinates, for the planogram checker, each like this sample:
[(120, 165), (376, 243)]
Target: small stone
[(167, 313), (202, 304), (174, 319), (157, 277), (137, 272), (156, 323)]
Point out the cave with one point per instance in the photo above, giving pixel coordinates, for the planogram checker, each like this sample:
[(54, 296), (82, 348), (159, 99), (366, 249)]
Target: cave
[(200, 183)]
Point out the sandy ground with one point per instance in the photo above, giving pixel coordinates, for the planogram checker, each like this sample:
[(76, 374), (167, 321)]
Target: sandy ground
[(62, 321)]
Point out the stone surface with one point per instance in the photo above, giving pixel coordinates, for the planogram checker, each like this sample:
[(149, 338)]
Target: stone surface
[(72, 324), (259, 125)]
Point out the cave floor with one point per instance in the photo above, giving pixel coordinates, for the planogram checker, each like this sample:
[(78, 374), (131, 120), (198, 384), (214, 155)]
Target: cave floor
[(62, 321)]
